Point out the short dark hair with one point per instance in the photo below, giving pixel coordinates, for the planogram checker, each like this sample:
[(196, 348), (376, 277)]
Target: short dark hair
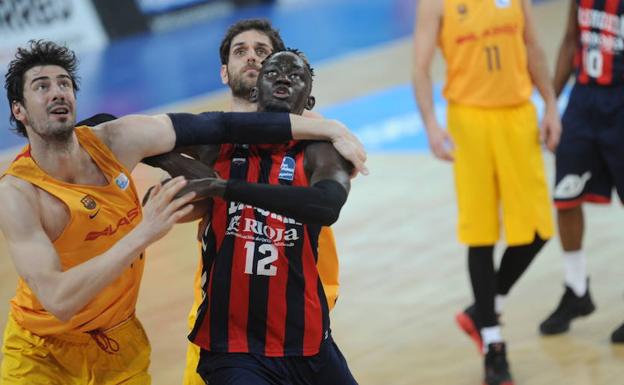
[(38, 53), (296, 52), (260, 25)]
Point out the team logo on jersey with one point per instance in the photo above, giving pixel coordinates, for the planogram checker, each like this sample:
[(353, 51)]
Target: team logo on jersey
[(287, 169), (503, 3), (88, 202), (122, 181), (571, 186)]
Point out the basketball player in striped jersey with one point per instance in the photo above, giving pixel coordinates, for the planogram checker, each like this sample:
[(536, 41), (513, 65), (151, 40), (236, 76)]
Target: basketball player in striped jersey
[(246, 43), (589, 158), (264, 318), (493, 60), (74, 226)]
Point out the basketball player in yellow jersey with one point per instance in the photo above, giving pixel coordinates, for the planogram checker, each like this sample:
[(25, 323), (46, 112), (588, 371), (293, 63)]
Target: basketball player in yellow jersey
[(245, 45), (73, 224), (493, 60)]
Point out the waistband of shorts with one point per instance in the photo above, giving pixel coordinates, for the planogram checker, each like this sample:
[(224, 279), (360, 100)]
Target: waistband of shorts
[(87, 337)]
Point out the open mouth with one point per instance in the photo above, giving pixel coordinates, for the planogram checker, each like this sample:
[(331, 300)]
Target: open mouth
[(281, 92), (59, 111)]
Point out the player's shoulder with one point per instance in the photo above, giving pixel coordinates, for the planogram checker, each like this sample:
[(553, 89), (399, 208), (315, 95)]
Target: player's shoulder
[(12, 186), (16, 195)]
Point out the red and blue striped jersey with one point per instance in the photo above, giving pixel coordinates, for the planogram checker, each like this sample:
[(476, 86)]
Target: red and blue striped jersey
[(600, 53), (261, 288)]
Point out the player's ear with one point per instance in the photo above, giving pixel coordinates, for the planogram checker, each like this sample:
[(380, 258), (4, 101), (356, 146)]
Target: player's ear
[(310, 103), (224, 75), (253, 95), (17, 110)]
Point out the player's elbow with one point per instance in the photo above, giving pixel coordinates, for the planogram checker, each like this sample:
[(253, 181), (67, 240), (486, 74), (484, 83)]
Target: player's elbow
[(327, 210), (58, 308), (51, 297), (322, 215)]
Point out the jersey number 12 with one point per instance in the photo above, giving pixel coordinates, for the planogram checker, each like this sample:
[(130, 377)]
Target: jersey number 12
[(264, 265)]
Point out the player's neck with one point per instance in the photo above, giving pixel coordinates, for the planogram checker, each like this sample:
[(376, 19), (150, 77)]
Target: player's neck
[(242, 105), (61, 160)]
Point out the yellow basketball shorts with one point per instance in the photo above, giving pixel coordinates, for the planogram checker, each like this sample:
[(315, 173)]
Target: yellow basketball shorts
[(499, 173), (121, 355), (192, 354)]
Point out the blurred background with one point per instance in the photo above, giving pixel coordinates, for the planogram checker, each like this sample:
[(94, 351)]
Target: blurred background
[(403, 272)]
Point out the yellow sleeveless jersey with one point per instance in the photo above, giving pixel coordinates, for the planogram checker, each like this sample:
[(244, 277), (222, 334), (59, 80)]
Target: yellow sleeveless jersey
[(99, 217), (483, 44)]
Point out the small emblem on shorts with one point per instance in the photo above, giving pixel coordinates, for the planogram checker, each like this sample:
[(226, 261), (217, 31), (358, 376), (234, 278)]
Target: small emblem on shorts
[(287, 169), (122, 181), (571, 186), (88, 202), (462, 9), (502, 3)]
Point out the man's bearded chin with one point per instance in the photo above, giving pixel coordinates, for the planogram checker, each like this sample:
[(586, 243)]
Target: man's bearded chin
[(58, 131), (241, 86)]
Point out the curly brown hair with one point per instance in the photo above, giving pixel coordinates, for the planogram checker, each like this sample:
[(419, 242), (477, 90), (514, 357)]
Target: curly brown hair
[(38, 53)]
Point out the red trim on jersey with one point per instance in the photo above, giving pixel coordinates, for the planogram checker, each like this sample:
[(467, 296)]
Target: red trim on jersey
[(313, 311), (202, 338), (23, 154), (582, 77), (276, 304), (611, 7), (590, 198)]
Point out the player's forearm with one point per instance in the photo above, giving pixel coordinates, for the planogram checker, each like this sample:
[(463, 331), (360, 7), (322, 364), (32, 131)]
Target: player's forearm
[(565, 63), (231, 127), (309, 128), (423, 92), (317, 204), (538, 70), (177, 164), (65, 293)]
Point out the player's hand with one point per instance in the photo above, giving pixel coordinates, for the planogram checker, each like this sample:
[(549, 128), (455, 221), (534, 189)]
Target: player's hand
[(204, 188), (350, 147), (551, 128), (440, 143), (162, 210)]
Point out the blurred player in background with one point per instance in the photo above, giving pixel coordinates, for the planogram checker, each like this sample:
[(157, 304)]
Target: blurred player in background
[(493, 60), (590, 161)]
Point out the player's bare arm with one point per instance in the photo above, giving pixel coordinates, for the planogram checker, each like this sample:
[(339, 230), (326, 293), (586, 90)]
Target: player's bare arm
[(538, 69), (135, 137), (29, 233), (428, 24), (567, 50)]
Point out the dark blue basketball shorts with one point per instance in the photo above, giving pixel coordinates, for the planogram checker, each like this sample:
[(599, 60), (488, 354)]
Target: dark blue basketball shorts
[(328, 367), (590, 156)]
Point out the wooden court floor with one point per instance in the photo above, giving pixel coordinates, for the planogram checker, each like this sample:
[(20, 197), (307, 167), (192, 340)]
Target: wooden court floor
[(403, 273)]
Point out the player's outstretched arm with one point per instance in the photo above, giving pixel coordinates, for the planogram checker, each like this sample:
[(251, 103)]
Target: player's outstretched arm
[(64, 293), (135, 137), (320, 203)]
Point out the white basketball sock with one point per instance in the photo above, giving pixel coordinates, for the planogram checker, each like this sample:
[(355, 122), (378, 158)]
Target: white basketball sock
[(575, 267), (490, 335)]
